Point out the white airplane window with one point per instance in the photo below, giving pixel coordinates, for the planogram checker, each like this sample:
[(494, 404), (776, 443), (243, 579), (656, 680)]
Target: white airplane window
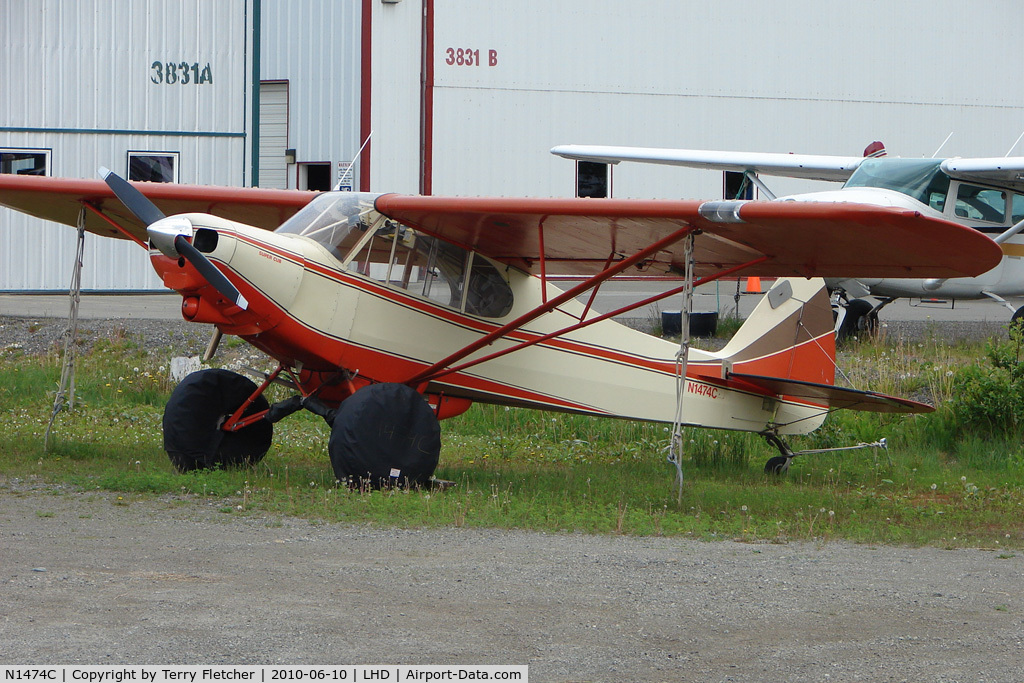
[(1018, 208), (336, 220), (980, 203)]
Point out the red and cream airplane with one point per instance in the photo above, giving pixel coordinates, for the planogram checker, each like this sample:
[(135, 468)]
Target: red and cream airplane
[(371, 302)]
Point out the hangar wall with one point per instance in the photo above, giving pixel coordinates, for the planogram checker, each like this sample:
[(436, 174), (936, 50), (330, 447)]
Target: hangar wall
[(314, 47), (90, 81), (794, 76), (465, 97)]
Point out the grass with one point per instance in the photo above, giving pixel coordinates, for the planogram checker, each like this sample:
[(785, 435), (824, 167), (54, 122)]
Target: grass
[(941, 482)]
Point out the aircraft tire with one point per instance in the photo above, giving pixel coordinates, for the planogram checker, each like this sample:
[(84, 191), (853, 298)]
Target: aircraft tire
[(1017, 320), (778, 465), (198, 407), (385, 435), (857, 318)]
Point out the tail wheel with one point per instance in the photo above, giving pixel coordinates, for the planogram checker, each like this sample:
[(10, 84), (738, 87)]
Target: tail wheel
[(198, 406), (385, 435), (778, 465)]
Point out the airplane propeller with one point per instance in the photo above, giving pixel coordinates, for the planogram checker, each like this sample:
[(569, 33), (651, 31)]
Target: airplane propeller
[(170, 235)]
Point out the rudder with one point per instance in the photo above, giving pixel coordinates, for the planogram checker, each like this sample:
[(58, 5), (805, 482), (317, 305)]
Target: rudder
[(789, 335)]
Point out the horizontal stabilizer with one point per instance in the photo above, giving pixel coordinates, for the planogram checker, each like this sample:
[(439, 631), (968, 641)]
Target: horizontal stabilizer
[(833, 396)]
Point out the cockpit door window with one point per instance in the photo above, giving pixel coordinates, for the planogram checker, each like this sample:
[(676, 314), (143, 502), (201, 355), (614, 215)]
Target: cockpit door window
[(976, 203)]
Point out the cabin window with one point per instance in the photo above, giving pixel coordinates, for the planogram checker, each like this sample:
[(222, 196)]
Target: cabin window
[(1018, 208), (444, 273), (25, 161), (437, 270), (336, 220), (980, 203), (488, 294), (153, 167)]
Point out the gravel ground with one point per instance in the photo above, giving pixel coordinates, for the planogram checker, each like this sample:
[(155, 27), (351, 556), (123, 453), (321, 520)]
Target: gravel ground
[(88, 578)]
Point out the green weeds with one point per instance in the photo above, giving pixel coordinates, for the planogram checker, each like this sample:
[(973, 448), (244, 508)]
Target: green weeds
[(951, 478)]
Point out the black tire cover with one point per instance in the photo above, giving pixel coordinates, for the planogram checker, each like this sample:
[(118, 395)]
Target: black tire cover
[(383, 435), (193, 416)]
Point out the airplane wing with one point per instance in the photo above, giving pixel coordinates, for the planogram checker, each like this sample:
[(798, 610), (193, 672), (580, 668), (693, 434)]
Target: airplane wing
[(59, 199), (833, 396), (1004, 171), (581, 236), (807, 166)]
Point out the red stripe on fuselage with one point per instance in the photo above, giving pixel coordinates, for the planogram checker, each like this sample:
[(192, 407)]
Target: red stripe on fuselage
[(299, 336)]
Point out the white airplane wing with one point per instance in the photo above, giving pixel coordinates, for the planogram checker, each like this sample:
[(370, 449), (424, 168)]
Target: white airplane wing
[(807, 166), (1005, 171)]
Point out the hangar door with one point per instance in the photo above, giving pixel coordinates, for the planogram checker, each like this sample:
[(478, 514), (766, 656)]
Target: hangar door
[(273, 134)]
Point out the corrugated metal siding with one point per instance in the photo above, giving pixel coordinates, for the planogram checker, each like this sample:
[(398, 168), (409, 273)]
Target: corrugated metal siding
[(89, 64), (315, 46), (79, 79), (800, 76)]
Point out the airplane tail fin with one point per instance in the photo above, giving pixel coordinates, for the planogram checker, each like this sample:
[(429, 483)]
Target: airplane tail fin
[(789, 335), (787, 348)]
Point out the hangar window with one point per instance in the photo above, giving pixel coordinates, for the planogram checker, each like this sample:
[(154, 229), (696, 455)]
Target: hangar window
[(315, 176), (592, 179), (153, 167), (736, 185), (25, 161)]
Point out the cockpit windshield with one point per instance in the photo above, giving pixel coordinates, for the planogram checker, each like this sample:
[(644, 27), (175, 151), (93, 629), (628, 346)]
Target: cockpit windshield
[(921, 179), (335, 219)]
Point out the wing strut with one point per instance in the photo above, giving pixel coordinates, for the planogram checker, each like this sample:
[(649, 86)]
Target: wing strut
[(115, 224), (550, 305), (590, 321)]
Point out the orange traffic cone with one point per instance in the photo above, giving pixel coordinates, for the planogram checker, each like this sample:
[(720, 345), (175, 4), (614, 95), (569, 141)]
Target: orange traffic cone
[(753, 285)]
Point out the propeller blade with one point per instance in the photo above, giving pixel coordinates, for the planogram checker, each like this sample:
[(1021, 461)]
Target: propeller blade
[(143, 209), (147, 212), (210, 272)]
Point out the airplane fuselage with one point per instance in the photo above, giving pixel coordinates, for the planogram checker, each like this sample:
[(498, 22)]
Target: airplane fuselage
[(318, 313)]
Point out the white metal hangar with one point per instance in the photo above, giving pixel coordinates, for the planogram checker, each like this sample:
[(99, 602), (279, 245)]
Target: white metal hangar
[(467, 97)]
